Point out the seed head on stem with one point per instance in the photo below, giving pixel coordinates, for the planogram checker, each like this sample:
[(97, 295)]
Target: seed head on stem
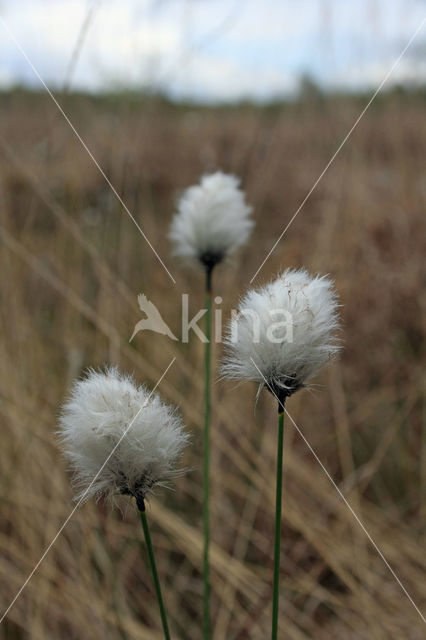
[(212, 220), (119, 437), (284, 332)]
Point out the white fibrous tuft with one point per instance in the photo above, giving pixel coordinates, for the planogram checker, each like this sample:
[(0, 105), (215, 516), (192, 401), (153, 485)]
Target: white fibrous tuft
[(119, 437), (212, 220), (284, 332)]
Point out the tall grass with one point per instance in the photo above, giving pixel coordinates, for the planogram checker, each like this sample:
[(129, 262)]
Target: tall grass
[(71, 265)]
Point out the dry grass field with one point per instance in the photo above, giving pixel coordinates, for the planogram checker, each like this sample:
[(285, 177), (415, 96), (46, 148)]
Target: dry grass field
[(71, 265)]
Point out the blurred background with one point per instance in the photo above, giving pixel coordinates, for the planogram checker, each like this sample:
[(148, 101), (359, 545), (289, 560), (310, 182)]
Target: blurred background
[(162, 91)]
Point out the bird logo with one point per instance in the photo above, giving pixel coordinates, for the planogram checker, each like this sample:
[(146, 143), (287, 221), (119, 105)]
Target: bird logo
[(153, 320)]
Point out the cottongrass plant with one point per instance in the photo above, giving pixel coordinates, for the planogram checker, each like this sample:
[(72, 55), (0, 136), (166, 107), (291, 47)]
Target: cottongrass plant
[(121, 439), (281, 337), (212, 221)]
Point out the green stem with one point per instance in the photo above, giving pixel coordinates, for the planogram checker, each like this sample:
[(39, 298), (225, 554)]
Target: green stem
[(206, 470), (151, 556), (278, 503)]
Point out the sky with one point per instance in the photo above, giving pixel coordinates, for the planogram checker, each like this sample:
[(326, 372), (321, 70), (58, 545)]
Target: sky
[(211, 50)]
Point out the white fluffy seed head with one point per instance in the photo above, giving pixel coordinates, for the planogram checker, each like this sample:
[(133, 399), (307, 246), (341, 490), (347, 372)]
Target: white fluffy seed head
[(101, 409), (284, 332), (212, 221)]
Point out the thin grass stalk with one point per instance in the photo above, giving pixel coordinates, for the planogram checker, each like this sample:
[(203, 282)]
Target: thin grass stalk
[(206, 467), (153, 564), (278, 510)]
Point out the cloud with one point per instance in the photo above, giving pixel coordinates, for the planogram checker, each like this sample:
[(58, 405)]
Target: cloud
[(118, 47), (222, 79), (370, 76), (210, 49)]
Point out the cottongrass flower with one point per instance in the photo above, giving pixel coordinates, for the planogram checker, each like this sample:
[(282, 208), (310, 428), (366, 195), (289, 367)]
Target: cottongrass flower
[(282, 335), (212, 221), (121, 439), (284, 332), (95, 426)]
